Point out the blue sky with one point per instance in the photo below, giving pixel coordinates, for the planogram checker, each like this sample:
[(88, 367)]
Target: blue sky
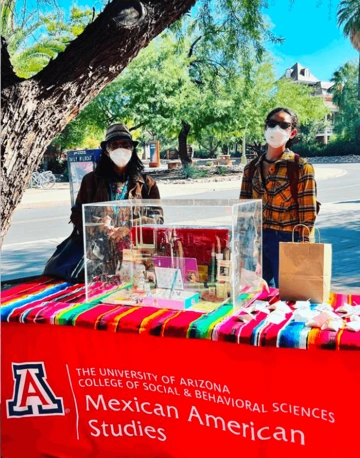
[(309, 27), (312, 36)]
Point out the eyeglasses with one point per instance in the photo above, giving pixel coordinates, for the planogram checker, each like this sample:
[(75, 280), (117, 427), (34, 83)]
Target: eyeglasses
[(120, 144), (282, 124)]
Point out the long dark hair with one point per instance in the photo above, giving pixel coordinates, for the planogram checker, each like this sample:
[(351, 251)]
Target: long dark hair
[(294, 121), (105, 167)]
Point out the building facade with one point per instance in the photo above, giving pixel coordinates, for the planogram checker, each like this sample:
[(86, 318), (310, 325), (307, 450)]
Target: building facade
[(323, 89)]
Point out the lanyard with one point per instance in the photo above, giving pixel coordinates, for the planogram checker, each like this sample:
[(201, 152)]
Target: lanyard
[(123, 192), (117, 196)]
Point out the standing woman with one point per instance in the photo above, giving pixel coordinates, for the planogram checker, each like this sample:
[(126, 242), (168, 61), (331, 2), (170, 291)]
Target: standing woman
[(268, 178)]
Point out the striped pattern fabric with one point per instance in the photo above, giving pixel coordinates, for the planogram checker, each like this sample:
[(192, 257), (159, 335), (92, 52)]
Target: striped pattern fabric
[(46, 301), (280, 211)]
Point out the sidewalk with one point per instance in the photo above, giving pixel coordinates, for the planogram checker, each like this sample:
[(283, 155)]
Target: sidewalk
[(60, 193)]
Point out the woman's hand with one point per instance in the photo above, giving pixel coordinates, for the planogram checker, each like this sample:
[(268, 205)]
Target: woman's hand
[(144, 220), (118, 233)]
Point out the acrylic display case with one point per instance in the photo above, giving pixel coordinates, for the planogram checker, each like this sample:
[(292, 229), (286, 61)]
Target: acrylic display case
[(177, 254)]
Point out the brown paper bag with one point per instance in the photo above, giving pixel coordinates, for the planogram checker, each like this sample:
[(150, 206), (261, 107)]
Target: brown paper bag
[(305, 271)]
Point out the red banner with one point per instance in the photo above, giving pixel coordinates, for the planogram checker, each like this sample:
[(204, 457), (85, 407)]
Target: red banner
[(73, 392)]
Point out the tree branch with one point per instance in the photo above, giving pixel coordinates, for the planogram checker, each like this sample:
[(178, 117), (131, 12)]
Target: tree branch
[(8, 77), (36, 110), (191, 50), (106, 47), (137, 126)]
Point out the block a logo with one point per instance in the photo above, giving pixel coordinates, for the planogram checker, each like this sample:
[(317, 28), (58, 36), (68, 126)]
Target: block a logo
[(32, 395)]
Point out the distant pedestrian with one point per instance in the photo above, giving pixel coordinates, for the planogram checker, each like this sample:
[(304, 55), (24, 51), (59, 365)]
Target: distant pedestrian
[(286, 185)]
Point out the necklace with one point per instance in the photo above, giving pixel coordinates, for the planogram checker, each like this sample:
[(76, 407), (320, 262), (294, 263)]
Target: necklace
[(268, 160)]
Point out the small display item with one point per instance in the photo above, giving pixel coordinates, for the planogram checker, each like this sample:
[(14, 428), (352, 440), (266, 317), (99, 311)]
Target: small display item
[(124, 297), (178, 300), (169, 278), (203, 273), (188, 266), (192, 277), (224, 271), (211, 296)]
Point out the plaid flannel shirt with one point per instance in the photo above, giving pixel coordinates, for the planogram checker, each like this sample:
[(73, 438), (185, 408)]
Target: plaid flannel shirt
[(280, 211)]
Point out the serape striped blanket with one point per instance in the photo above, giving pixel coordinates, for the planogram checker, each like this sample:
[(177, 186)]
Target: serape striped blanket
[(49, 301)]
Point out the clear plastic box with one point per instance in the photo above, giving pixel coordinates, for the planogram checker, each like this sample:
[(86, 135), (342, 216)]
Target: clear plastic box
[(177, 254)]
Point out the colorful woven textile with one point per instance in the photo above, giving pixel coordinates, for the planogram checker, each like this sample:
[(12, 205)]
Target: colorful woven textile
[(46, 301)]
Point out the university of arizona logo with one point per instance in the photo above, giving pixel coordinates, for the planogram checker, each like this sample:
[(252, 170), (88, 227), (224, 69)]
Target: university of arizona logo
[(33, 395)]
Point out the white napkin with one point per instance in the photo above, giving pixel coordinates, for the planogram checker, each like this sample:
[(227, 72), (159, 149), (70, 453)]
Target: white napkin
[(320, 319), (280, 306), (333, 325), (303, 315), (353, 326), (246, 317), (355, 311), (345, 308), (260, 306), (257, 306), (302, 304), (324, 307), (283, 307), (276, 317), (355, 318)]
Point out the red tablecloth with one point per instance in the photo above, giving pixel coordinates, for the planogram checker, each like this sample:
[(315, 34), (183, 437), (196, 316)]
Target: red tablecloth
[(70, 391)]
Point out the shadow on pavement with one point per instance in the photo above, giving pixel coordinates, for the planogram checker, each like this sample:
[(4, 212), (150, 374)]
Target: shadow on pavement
[(341, 228), (26, 259)]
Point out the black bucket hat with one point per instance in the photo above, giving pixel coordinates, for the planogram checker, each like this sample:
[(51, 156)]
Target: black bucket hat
[(117, 131)]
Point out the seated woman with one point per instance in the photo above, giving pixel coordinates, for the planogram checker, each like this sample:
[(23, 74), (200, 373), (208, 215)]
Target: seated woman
[(118, 176)]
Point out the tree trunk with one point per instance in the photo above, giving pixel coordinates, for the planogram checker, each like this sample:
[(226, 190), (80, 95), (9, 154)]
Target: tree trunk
[(35, 111), (357, 132), (359, 80), (183, 143), (243, 151)]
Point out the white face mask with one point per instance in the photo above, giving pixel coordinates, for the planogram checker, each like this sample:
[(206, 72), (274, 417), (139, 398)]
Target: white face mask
[(276, 136), (120, 156)]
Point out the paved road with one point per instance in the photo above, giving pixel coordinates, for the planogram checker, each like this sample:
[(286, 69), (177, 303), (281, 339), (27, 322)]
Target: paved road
[(32, 224), (344, 188), (35, 232)]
